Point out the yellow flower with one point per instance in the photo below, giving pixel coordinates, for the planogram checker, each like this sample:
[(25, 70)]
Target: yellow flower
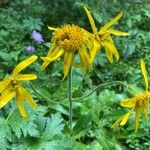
[(139, 103), (69, 40), (11, 86), (102, 37)]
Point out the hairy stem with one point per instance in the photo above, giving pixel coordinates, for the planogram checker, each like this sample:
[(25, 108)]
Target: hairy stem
[(102, 86), (70, 100), (37, 92)]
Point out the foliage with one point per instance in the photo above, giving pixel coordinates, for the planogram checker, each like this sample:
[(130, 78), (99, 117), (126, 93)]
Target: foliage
[(47, 127)]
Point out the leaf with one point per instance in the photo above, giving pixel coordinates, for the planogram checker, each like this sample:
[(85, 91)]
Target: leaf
[(82, 124), (21, 126), (54, 126), (61, 144), (95, 145), (5, 134)]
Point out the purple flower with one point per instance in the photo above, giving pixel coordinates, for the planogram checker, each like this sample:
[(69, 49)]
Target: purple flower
[(37, 37), (30, 48)]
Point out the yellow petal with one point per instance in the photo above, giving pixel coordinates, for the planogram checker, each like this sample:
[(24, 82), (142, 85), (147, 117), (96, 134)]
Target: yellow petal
[(6, 96), (118, 33), (128, 102), (68, 60), (23, 92), (145, 110), (86, 56), (24, 64), (117, 122), (122, 120), (26, 77), (125, 118), (76, 65), (137, 117), (20, 105), (110, 23), (52, 50), (94, 51), (4, 84), (144, 72), (89, 43), (108, 54), (110, 47), (91, 20), (52, 28), (113, 48), (145, 107), (52, 56), (84, 60)]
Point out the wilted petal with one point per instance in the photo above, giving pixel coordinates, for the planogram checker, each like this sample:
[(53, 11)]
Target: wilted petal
[(130, 102), (137, 117), (111, 45), (21, 105), (125, 118), (4, 84), (52, 28), (52, 56), (6, 96), (122, 121), (24, 64), (108, 54), (91, 20), (110, 23), (23, 92), (118, 33), (94, 51), (144, 72), (68, 60), (26, 77)]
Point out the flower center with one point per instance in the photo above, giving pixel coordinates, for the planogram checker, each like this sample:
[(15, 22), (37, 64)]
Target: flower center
[(69, 37), (14, 84), (102, 36), (143, 99)]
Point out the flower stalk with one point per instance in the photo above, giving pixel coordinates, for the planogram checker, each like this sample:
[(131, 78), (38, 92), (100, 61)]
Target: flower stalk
[(70, 100)]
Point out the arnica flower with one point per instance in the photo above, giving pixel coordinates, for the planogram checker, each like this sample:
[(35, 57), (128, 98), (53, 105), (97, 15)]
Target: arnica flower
[(138, 104), (12, 86), (30, 49), (69, 40), (37, 37), (102, 37)]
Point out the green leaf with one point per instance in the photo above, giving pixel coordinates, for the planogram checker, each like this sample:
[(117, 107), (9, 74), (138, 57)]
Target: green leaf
[(62, 144), (95, 145), (82, 124), (54, 126), (21, 126), (5, 134)]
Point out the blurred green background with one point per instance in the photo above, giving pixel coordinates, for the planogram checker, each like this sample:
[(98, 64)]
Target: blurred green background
[(47, 127)]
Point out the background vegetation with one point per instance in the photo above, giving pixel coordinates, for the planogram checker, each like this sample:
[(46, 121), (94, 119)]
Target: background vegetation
[(47, 127)]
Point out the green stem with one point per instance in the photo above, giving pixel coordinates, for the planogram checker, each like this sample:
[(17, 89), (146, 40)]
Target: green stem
[(10, 114), (70, 99), (35, 90), (100, 86)]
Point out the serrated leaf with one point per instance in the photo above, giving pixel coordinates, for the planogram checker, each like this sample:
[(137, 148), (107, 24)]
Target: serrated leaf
[(54, 126), (21, 126), (5, 134)]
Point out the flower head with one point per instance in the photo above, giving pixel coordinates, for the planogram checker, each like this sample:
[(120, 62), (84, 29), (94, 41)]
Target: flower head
[(30, 49), (37, 37), (102, 37), (139, 103), (12, 86), (69, 40)]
